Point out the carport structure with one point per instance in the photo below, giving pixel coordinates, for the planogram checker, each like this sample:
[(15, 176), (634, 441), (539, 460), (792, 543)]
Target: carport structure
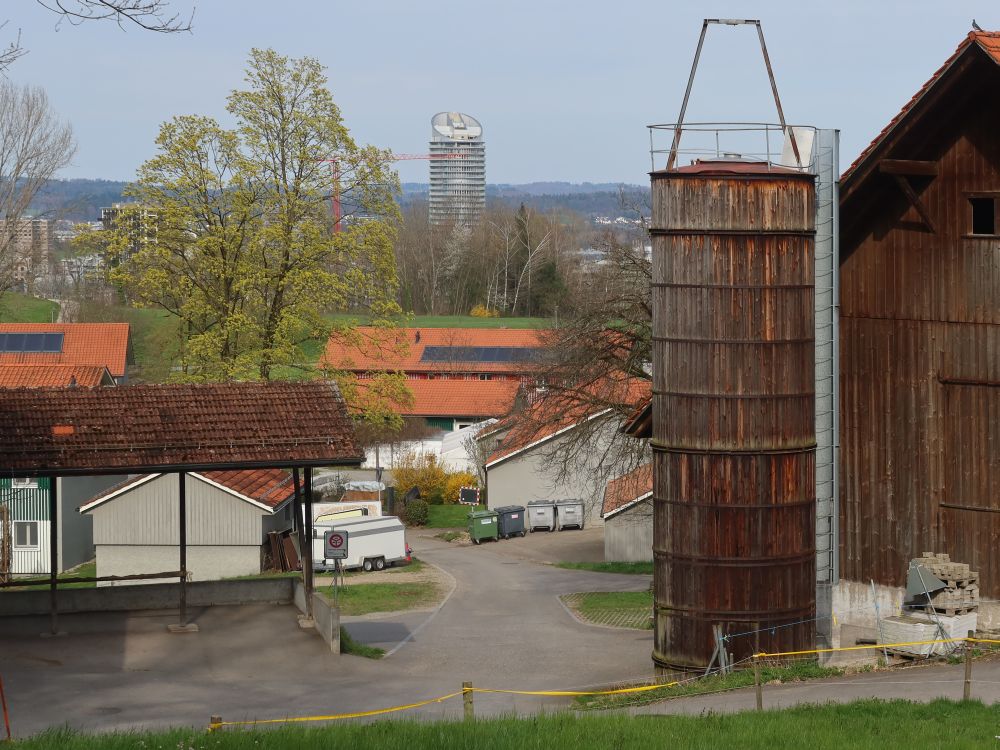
[(143, 429)]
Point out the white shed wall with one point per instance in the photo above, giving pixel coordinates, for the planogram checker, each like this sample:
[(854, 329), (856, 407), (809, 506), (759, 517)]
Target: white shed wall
[(208, 563), (628, 536)]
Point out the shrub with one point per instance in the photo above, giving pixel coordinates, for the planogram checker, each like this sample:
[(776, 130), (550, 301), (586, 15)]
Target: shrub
[(416, 513), (481, 311)]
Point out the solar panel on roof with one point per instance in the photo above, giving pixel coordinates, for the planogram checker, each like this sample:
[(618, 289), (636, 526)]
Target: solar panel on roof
[(494, 354), (21, 343)]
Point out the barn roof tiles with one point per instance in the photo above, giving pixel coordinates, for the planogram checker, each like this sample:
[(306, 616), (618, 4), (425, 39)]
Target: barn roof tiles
[(54, 376), (151, 428), (627, 490)]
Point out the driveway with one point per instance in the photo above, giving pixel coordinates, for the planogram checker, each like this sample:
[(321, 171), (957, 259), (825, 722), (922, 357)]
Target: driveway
[(502, 627)]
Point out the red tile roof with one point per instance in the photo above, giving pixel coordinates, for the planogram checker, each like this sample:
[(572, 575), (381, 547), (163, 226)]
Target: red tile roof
[(53, 376), (560, 411), (987, 41), (627, 489), (269, 487), (100, 344), (397, 349), (152, 428), (459, 398)]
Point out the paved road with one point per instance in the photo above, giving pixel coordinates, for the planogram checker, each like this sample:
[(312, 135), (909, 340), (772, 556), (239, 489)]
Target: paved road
[(502, 627), (922, 684)]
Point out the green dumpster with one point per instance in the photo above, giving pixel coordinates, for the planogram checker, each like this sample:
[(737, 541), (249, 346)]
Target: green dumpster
[(483, 525)]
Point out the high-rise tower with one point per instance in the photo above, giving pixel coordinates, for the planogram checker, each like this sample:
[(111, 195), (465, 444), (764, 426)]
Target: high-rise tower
[(458, 174)]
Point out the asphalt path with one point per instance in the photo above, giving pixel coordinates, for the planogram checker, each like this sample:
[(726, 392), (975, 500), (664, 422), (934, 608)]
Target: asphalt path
[(502, 627)]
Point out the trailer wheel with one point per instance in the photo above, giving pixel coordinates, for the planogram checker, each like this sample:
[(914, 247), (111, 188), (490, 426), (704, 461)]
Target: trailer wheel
[(522, 534), (475, 541), (379, 563), (367, 565)]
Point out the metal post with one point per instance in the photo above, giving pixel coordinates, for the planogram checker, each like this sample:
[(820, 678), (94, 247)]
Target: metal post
[(777, 100), (307, 557), (967, 688), (756, 683), (468, 708), (300, 522), (53, 554), (672, 157), (182, 626)]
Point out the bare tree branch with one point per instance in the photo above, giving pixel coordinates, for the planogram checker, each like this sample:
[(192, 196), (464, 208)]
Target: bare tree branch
[(151, 15)]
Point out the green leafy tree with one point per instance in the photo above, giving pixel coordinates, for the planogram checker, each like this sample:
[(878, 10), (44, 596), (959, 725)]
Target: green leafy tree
[(244, 253)]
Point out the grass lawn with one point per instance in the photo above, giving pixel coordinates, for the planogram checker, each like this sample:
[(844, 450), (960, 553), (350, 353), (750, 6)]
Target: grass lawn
[(806, 670), (631, 568), (870, 724), (350, 646), (85, 570), (20, 308), (457, 321), (620, 609), (450, 516), (365, 598)]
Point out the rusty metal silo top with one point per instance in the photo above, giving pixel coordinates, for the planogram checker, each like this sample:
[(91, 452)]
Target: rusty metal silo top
[(732, 168)]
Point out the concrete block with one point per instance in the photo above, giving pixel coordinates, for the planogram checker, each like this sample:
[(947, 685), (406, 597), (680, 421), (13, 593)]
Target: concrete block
[(327, 621)]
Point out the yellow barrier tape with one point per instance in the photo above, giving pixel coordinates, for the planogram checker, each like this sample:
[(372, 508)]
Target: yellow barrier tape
[(332, 717), (859, 648), (619, 691), (359, 714)]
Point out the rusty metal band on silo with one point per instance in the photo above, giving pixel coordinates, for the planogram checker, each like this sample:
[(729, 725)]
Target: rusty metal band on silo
[(734, 422)]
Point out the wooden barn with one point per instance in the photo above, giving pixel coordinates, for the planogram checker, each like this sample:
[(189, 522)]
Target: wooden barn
[(920, 332)]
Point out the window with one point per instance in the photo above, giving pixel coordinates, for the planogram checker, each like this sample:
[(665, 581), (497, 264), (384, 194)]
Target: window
[(26, 534), (484, 376), (984, 215), (24, 483)]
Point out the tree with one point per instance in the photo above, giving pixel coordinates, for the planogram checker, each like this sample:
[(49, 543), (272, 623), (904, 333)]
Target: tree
[(151, 15), (34, 145), (245, 255)]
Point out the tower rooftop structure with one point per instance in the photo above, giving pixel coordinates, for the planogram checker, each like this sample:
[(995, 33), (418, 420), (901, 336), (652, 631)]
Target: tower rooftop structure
[(458, 174)]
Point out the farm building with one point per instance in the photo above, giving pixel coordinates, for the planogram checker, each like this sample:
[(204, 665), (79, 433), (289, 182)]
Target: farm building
[(628, 516), (229, 514), (77, 345), (920, 334), (474, 354), (560, 448), (450, 405)]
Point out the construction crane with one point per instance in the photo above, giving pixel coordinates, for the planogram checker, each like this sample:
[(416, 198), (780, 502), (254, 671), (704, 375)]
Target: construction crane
[(335, 169)]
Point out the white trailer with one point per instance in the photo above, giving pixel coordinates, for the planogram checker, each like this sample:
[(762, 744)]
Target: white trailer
[(372, 543)]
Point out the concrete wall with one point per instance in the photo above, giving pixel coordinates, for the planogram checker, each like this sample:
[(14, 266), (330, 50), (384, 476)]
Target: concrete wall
[(155, 596), (204, 563), (628, 536), (532, 475), (326, 620)]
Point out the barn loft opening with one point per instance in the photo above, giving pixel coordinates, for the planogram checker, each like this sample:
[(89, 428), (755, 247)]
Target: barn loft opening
[(984, 219)]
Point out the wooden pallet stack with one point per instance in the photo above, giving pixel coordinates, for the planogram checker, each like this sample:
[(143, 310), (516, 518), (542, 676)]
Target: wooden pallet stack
[(961, 593)]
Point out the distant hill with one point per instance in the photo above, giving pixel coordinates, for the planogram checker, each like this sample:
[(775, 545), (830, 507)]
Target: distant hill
[(82, 199), (76, 200), (588, 198)]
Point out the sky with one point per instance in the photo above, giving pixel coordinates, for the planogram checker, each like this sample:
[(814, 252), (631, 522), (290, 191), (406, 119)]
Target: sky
[(564, 90)]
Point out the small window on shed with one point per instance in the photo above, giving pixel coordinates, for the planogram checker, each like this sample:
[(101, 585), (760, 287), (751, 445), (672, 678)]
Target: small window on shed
[(984, 215)]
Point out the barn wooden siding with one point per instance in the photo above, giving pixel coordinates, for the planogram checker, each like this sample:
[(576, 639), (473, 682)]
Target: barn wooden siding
[(920, 351)]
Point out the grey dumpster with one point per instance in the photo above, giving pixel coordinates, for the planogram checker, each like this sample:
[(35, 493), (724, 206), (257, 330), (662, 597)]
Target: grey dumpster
[(541, 515), (510, 520), (569, 513)]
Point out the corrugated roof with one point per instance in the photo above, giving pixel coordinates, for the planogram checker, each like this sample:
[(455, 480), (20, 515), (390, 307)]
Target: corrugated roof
[(560, 411), (150, 428), (97, 344), (459, 398), (627, 490), (269, 487), (402, 349), (988, 41), (53, 376)]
